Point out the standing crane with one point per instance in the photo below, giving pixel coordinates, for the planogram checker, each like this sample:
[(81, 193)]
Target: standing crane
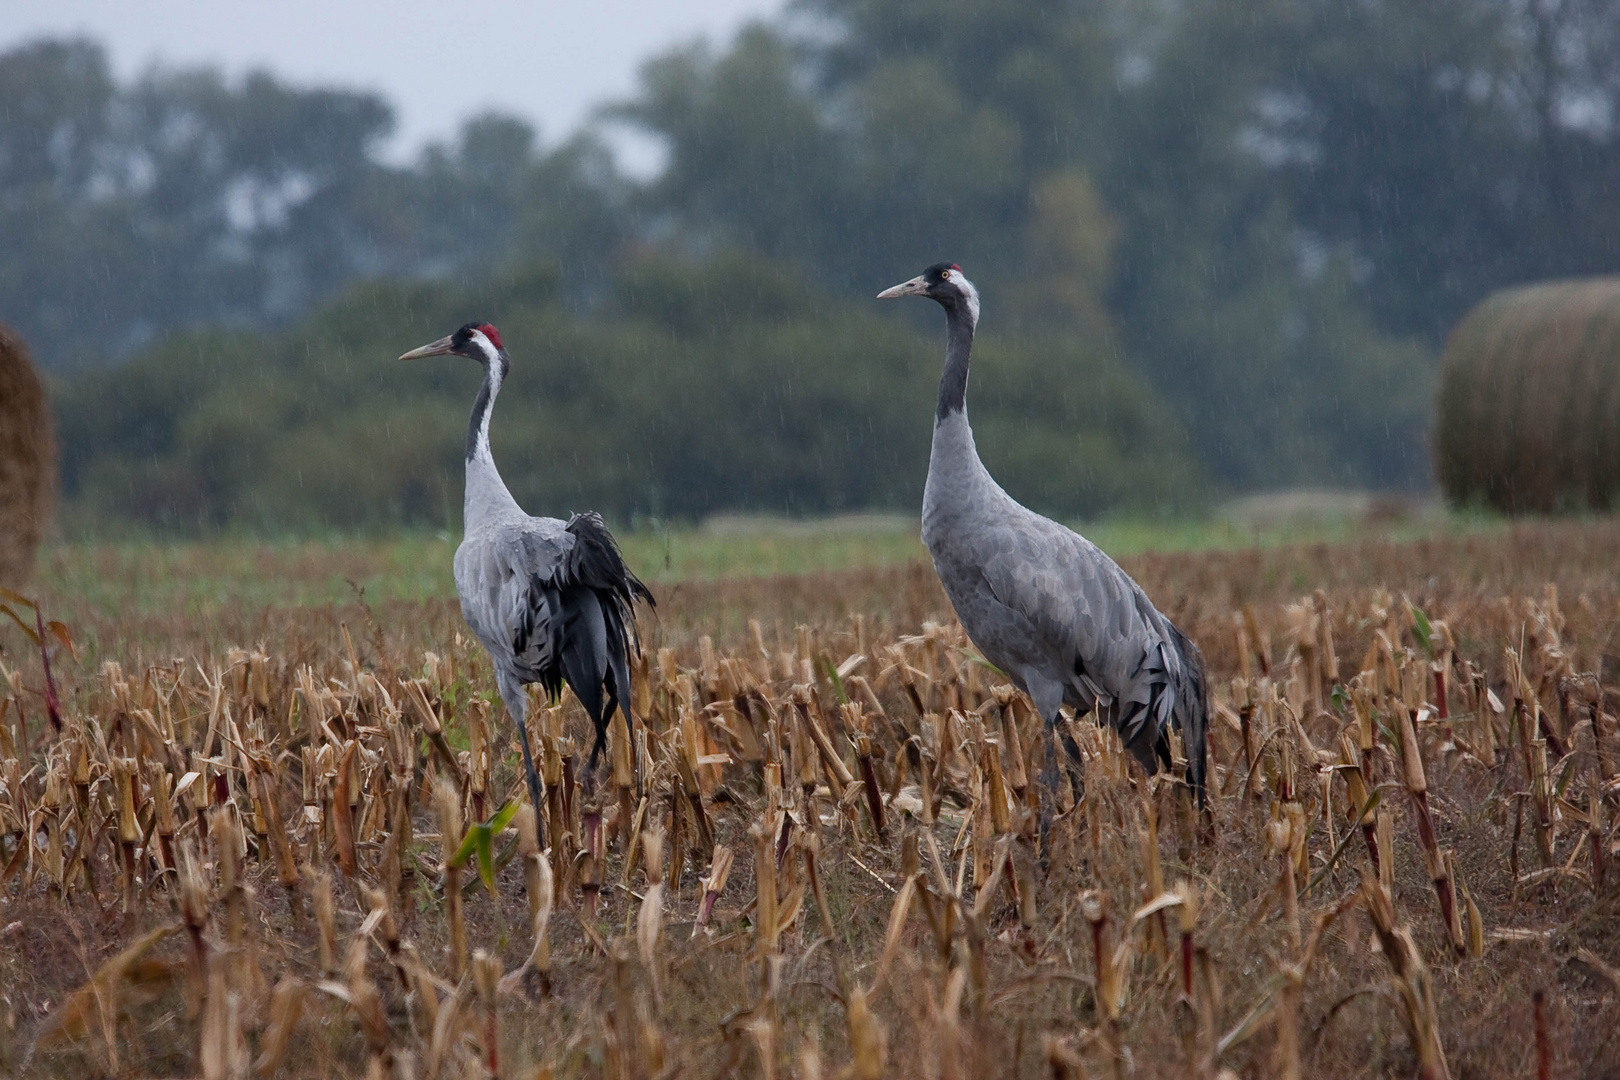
[(549, 600), (1040, 601)]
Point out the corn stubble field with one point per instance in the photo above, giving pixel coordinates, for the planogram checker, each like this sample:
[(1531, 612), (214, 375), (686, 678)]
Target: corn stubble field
[(272, 842)]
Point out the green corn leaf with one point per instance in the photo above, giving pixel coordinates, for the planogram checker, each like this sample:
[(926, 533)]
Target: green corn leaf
[(477, 844), (480, 843), (468, 844), (503, 817), (1422, 630), (1566, 774), (988, 666), (832, 677), (483, 835)]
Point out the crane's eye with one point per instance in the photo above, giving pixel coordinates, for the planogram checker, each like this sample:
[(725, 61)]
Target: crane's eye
[(945, 275)]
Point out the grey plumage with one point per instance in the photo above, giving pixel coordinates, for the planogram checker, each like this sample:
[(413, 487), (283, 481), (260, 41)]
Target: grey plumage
[(550, 601), (1041, 602)]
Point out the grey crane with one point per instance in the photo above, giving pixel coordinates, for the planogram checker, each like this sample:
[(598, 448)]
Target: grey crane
[(1040, 601), (548, 599)]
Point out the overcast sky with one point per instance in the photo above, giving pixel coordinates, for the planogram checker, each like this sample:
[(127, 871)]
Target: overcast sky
[(436, 61)]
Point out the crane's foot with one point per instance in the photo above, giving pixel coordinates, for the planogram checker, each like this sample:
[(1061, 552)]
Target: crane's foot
[(531, 777), (592, 780), (1046, 838), (539, 809), (1049, 798), (1074, 767)]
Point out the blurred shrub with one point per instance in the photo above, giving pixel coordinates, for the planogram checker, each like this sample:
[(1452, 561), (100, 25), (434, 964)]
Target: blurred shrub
[(727, 383)]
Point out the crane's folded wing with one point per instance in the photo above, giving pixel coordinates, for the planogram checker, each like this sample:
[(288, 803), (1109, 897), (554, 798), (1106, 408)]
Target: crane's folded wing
[(1080, 602), (1117, 649), (509, 587)]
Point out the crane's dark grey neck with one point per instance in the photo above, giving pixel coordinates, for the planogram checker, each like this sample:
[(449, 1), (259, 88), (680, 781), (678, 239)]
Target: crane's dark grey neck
[(487, 498), (478, 426), (960, 320)]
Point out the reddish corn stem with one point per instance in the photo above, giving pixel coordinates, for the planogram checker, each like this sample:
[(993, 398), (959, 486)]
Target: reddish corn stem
[(1543, 1044)]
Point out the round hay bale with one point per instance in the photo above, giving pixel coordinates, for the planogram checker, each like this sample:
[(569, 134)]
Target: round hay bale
[(27, 460), (1528, 415)]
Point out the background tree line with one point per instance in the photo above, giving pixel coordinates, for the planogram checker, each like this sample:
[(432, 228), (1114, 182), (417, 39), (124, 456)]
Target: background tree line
[(1219, 243)]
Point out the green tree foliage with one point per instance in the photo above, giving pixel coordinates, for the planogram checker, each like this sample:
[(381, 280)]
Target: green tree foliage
[(730, 382), (749, 157), (185, 199), (1297, 197), (1234, 231), (1457, 145), (1133, 220), (126, 210)]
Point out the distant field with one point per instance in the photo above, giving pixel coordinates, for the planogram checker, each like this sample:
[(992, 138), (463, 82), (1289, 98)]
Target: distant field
[(204, 576), (154, 598)]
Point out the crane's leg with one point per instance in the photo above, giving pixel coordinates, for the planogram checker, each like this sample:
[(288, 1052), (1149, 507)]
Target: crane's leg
[(1047, 696), (517, 706), (1076, 765), (589, 781), (601, 743), (1049, 792)]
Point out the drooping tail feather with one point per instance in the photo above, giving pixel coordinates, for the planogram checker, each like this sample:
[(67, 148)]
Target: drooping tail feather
[(603, 592), (1191, 712), (595, 562)]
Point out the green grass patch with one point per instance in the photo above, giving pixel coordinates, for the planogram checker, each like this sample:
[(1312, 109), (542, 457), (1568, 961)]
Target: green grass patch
[(199, 577)]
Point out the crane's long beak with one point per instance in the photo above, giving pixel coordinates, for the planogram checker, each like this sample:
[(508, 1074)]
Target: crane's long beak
[(915, 287), (441, 347)]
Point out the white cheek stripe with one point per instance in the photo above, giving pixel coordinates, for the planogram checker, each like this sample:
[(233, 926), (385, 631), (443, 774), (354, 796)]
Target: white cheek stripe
[(972, 295), (490, 352)]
